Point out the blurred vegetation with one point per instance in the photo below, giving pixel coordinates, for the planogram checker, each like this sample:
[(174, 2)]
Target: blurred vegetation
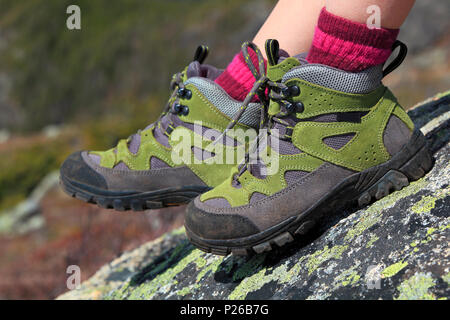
[(24, 168), (102, 82), (126, 51)]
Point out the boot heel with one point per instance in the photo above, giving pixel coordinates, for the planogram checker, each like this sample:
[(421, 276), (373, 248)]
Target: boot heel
[(418, 165)]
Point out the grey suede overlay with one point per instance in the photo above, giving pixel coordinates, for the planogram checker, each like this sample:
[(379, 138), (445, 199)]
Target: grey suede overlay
[(288, 202), (396, 135), (145, 180)]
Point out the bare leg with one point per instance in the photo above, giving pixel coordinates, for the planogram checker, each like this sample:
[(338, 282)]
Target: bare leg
[(292, 22), (392, 12)]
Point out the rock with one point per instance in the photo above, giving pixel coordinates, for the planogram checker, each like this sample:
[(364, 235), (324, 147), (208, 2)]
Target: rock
[(396, 248), (25, 216), (4, 135), (419, 31), (52, 131)]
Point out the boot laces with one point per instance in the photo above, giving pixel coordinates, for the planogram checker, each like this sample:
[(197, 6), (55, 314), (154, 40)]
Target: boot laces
[(267, 90)]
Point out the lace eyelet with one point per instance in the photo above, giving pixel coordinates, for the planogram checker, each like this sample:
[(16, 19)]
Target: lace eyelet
[(184, 110), (295, 90), (289, 107), (178, 108), (184, 93), (299, 107), (291, 91)]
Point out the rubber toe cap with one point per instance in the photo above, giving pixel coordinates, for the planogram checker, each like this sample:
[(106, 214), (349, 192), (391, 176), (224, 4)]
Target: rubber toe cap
[(217, 226), (76, 170)]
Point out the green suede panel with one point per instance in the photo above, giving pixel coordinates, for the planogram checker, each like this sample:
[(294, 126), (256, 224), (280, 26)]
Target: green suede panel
[(366, 149), (225, 190), (201, 109), (148, 148), (107, 158), (211, 170), (269, 185), (318, 100), (276, 72)]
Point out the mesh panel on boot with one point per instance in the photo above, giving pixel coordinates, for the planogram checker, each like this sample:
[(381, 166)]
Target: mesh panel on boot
[(121, 166), (212, 134), (293, 176), (256, 197), (201, 154), (218, 203), (337, 142), (285, 147), (156, 163), (134, 144), (328, 77), (222, 101)]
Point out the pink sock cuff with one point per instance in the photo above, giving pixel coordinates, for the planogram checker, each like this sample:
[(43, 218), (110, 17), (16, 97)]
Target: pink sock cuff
[(237, 80), (348, 45)]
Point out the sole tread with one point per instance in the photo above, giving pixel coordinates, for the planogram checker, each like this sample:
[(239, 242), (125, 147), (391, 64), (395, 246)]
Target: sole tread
[(177, 197)]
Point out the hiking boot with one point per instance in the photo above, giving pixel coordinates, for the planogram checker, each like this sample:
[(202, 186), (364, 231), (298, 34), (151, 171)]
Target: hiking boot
[(339, 138), (146, 171)]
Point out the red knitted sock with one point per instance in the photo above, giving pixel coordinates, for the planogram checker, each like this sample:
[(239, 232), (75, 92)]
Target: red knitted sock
[(349, 45), (237, 79)]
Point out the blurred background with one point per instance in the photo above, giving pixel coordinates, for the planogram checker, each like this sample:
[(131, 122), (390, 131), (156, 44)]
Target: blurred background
[(63, 90)]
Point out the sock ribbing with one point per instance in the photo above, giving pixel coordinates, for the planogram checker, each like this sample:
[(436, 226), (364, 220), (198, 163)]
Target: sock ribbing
[(348, 45), (237, 79)]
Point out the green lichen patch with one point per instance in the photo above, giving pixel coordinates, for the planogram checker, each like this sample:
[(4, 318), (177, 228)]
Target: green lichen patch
[(211, 266), (393, 269), (347, 278), (187, 290), (416, 288), (446, 278), (162, 281), (373, 214), (372, 240), (429, 236), (258, 280), (249, 267), (425, 205), (319, 257)]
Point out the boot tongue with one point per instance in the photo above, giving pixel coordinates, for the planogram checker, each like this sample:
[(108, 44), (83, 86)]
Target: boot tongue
[(196, 69)]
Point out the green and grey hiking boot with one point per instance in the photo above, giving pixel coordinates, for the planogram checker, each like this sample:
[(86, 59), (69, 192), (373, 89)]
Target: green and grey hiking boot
[(334, 138), (168, 163)]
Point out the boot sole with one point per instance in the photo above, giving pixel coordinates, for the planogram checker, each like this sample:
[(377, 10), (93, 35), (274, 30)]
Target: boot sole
[(410, 164), (131, 200)]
